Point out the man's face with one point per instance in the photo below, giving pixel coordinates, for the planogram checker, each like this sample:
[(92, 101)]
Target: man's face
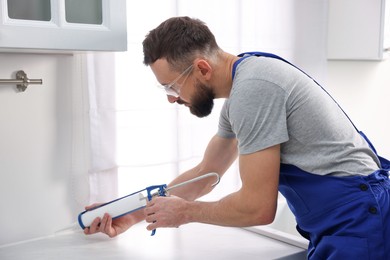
[(191, 91)]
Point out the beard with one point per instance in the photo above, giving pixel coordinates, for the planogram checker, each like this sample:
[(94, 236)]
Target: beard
[(203, 102)]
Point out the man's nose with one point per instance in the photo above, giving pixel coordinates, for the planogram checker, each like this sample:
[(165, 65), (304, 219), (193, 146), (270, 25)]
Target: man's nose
[(172, 99)]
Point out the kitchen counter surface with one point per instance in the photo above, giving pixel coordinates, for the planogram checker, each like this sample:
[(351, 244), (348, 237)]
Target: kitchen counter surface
[(193, 241)]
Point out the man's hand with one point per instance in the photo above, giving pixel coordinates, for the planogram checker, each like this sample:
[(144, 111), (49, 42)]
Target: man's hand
[(108, 226), (166, 212)]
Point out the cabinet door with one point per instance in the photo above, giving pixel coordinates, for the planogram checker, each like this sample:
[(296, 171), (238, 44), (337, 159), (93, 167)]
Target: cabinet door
[(80, 25), (356, 29)]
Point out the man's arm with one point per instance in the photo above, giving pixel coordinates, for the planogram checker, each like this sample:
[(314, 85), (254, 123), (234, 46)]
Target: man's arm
[(254, 204), (219, 155)]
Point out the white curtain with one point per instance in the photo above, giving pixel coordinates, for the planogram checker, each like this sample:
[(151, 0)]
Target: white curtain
[(100, 77), (148, 141)]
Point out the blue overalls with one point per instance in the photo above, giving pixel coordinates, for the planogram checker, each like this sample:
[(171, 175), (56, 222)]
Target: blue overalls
[(342, 217)]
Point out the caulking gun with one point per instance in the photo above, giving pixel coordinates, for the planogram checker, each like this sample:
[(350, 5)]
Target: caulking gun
[(133, 202)]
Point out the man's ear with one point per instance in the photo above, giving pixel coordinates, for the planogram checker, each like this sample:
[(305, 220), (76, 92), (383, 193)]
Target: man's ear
[(204, 67)]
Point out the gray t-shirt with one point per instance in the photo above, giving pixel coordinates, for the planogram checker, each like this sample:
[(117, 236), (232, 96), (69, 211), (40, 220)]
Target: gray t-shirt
[(272, 102)]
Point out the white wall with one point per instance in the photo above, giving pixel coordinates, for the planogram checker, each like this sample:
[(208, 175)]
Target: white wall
[(362, 88), (42, 160)]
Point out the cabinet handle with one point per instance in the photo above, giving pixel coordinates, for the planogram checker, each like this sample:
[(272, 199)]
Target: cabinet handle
[(21, 81)]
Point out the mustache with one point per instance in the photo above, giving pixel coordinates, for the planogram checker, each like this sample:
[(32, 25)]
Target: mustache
[(181, 101)]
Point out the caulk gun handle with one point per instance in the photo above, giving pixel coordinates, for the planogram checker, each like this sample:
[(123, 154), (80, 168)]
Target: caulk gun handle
[(161, 192)]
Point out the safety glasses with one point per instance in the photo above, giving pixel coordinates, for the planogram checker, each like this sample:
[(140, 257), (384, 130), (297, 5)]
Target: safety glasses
[(173, 89)]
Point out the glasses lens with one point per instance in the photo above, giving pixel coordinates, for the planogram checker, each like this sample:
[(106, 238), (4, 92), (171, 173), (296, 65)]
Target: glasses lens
[(169, 89)]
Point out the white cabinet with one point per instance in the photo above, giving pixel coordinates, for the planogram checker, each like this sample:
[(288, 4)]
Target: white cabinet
[(358, 29), (79, 25)]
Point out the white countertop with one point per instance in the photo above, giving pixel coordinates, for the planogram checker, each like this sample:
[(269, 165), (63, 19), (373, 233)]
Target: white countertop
[(193, 241)]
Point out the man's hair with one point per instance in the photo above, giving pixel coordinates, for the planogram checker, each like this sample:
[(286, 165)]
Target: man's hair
[(179, 40)]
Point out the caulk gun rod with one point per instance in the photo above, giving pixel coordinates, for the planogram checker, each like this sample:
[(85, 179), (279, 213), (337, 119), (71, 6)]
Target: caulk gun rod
[(195, 180)]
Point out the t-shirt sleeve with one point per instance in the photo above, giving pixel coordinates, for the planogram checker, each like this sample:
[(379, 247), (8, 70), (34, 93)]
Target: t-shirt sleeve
[(257, 115), (224, 127)]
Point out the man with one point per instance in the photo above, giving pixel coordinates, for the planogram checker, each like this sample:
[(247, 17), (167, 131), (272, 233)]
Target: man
[(288, 134)]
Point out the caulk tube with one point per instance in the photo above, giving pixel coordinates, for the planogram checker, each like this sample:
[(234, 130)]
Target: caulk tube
[(115, 208), (122, 206)]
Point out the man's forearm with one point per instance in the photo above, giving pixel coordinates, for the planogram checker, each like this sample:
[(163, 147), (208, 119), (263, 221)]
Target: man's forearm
[(233, 210)]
